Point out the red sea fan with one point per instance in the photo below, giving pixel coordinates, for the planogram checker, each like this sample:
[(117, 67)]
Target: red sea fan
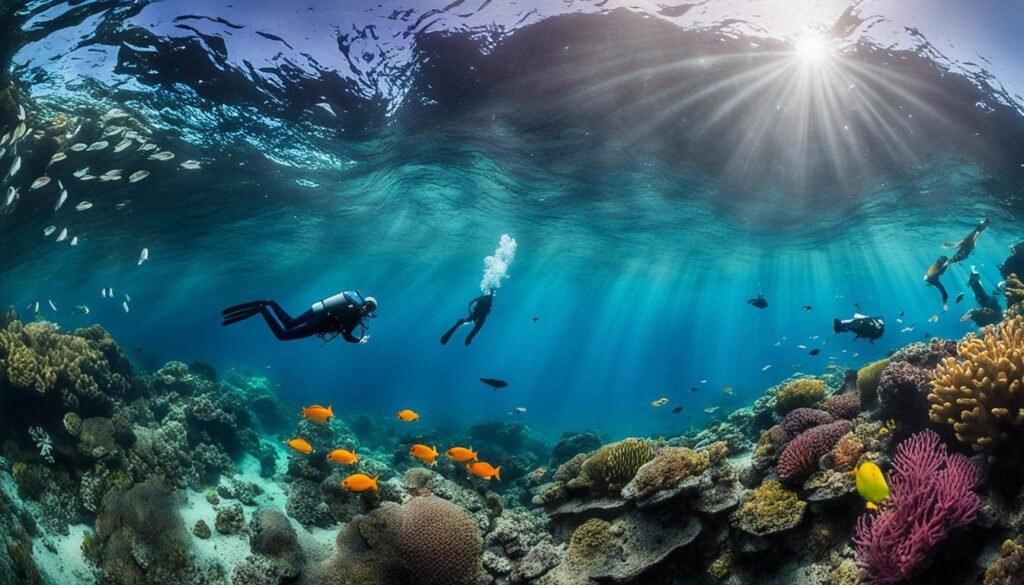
[(930, 495)]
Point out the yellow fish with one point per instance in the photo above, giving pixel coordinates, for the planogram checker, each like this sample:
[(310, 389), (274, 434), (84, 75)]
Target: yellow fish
[(407, 415), (871, 484), (360, 482), (425, 454), (317, 413), (484, 470), (300, 445), (461, 454), (342, 456), (660, 402)]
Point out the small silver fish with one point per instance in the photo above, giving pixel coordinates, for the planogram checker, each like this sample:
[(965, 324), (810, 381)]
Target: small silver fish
[(103, 292), (127, 298), (37, 306), (5, 138), (114, 114), (3, 151), (14, 167), (143, 256), (111, 131), (147, 147), (79, 147), (86, 177), (81, 173), (83, 206), (40, 183), (58, 157), (766, 368), (12, 194), (49, 230), (138, 176), (98, 146), (60, 201), (74, 241), (112, 175), (122, 145), (124, 305), (21, 112), (63, 235), (190, 165), (162, 155), (52, 306), (19, 131)]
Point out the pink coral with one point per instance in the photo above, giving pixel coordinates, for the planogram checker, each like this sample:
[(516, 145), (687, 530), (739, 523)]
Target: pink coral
[(930, 494), (801, 419), (800, 458), (842, 405), (903, 388)]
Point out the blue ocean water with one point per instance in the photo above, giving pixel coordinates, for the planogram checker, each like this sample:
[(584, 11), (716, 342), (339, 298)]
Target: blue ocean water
[(655, 170)]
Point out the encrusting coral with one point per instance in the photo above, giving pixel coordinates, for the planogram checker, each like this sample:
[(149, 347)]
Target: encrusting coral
[(769, 509), (799, 393), (981, 395)]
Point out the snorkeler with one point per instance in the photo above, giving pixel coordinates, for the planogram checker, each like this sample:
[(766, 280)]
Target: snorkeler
[(333, 316), (988, 311), (935, 271), (965, 247), (870, 328), (479, 308)]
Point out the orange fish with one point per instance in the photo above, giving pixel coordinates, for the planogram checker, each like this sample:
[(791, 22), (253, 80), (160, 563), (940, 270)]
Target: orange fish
[(300, 445), (342, 456), (407, 415), (317, 413), (461, 454), (484, 470), (360, 482), (423, 453)]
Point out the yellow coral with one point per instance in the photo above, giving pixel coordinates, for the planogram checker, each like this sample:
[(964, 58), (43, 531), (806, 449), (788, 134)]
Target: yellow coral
[(1014, 293), (611, 467), (867, 379), (799, 393), (981, 395), (721, 568), (592, 539), (769, 508)]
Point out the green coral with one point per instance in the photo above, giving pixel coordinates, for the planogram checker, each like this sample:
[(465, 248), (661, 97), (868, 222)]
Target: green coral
[(1009, 567), (591, 540), (721, 568), (845, 573), (799, 394), (867, 380), (613, 466), (768, 509)]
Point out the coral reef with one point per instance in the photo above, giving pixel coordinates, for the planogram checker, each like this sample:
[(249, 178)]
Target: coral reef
[(842, 405), (1008, 569), (981, 395), (867, 381), (769, 509), (610, 468), (903, 390), (799, 393), (800, 457), (931, 493), (669, 466)]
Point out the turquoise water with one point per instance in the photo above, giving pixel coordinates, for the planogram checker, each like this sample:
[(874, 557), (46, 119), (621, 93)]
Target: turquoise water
[(651, 195)]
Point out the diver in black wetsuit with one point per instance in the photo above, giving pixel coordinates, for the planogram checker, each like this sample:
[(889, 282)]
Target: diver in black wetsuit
[(479, 308), (333, 316), (988, 312), (965, 247), (931, 277)]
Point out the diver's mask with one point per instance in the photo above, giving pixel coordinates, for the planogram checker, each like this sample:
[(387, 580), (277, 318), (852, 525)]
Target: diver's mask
[(370, 307)]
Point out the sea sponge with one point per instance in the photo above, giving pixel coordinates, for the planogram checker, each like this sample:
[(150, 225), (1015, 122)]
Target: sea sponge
[(847, 452), (769, 509), (1009, 567), (669, 466), (799, 393), (800, 458), (842, 405), (982, 395), (867, 380), (438, 542), (613, 466)]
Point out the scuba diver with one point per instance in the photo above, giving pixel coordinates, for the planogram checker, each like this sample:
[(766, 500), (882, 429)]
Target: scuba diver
[(479, 308), (988, 312), (326, 319), (759, 302), (870, 328), (937, 269), (965, 247)]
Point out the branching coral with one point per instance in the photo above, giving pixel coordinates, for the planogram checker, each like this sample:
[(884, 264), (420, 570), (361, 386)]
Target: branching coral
[(800, 458), (982, 395), (43, 442), (799, 393), (768, 509), (931, 494)]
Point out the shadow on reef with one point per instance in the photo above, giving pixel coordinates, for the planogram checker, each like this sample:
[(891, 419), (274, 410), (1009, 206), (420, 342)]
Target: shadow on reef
[(170, 477)]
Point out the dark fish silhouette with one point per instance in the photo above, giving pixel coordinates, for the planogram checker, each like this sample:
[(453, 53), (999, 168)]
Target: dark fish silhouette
[(759, 302), (494, 382), (693, 388), (959, 297), (814, 351), (677, 410), (535, 319), (808, 307)]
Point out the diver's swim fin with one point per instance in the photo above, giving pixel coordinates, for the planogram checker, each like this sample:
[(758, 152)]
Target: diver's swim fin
[(242, 307), (448, 334), (241, 315)]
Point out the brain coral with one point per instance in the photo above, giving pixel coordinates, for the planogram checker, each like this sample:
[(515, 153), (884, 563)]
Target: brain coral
[(799, 393), (613, 466), (800, 458), (438, 542), (768, 509), (982, 395)]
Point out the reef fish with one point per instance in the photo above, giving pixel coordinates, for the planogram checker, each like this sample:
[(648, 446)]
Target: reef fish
[(494, 383), (143, 256), (933, 319), (79, 147), (659, 402), (342, 456), (163, 155), (83, 206), (808, 307), (677, 410), (60, 200), (959, 298), (40, 183), (137, 176), (360, 482), (425, 454), (727, 389), (407, 415), (461, 454), (190, 165), (300, 445), (711, 410), (814, 351), (80, 310), (484, 470), (317, 413), (871, 484)]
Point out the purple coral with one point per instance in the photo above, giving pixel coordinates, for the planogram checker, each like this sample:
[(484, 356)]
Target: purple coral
[(930, 494), (800, 458), (801, 419), (842, 405), (926, 356), (904, 387)]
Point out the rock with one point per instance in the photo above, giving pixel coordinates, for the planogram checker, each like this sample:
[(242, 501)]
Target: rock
[(230, 520), (540, 559), (272, 535), (202, 530), (577, 507), (96, 438)]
